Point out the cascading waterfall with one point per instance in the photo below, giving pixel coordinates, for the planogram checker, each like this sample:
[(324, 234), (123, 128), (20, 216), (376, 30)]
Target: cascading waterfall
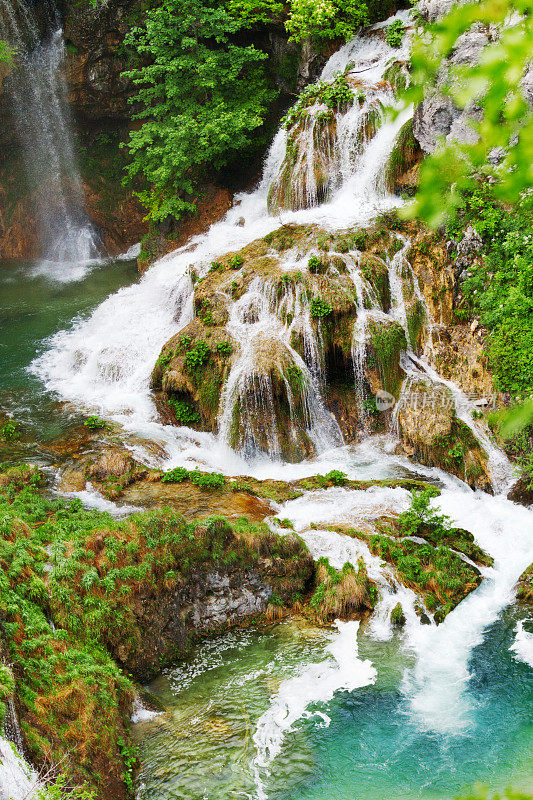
[(105, 362), (259, 323), (38, 92)]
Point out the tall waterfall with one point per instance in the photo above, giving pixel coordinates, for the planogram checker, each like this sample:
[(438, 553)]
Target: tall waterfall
[(38, 94)]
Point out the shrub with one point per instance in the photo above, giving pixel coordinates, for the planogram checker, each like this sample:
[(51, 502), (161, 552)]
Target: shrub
[(319, 308), (336, 477), (207, 480), (94, 423), (421, 517), (395, 33), (184, 412), (9, 430), (176, 475), (224, 348)]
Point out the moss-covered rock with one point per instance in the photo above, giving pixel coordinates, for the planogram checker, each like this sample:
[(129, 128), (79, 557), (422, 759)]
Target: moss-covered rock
[(386, 342), (405, 154), (432, 434), (87, 602), (525, 585)]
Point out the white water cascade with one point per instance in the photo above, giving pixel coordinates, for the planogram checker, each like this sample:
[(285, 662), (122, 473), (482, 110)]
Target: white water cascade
[(104, 363), (38, 93)]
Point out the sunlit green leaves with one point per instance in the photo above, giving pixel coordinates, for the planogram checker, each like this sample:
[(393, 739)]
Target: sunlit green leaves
[(506, 126)]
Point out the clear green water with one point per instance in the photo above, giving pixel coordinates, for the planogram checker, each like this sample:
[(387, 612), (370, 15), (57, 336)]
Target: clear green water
[(32, 308), (372, 749)]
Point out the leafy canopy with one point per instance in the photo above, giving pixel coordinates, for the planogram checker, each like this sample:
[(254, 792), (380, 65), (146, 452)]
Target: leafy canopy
[(326, 19), (201, 95), (495, 82)]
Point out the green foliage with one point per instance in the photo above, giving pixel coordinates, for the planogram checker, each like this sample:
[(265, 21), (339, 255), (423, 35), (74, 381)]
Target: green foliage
[(201, 97), (207, 480), (327, 19), (61, 789), (499, 286), (6, 53), (9, 431), (164, 360), (336, 477), (316, 266), (224, 348), (197, 356), (236, 262), (129, 756), (336, 95), (395, 33), (185, 414), (507, 120), (320, 308), (94, 423), (421, 519)]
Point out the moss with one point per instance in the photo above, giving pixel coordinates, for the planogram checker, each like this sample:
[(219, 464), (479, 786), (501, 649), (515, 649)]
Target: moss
[(405, 154), (416, 316), (375, 271), (386, 344), (95, 577)]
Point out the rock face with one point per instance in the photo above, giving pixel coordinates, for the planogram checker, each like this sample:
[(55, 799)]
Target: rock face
[(433, 435), (94, 35)]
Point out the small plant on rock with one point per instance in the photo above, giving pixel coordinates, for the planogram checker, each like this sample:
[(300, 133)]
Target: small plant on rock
[(94, 423), (176, 475), (319, 308), (198, 356), (184, 412), (224, 348), (395, 33)]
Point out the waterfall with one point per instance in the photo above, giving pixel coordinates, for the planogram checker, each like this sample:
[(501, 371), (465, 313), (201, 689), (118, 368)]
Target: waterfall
[(41, 113), (105, 362)]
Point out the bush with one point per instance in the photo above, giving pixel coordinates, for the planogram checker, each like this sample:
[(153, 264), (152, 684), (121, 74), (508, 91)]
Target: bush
[(185, 414), (94, 423), (207, 480), (224, 348), (176, 475), (319, 308), (9, 431), (395, 33), (420, 517)]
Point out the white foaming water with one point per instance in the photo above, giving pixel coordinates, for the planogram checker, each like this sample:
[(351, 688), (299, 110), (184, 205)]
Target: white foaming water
[(316, 684), (17, 780), (104, 363), (142, 714), (436, 688), (522, 646)]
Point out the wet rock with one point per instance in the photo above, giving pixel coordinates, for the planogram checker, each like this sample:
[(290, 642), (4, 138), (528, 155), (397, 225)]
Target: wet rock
[(431, 10), (525, 585), (522, 492), (433, 435)]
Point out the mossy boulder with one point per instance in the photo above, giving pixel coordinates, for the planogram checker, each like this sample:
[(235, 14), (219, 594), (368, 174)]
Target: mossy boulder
[(385, 343), (525, 586), (405, 154), (432, 434), (190, 374)]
